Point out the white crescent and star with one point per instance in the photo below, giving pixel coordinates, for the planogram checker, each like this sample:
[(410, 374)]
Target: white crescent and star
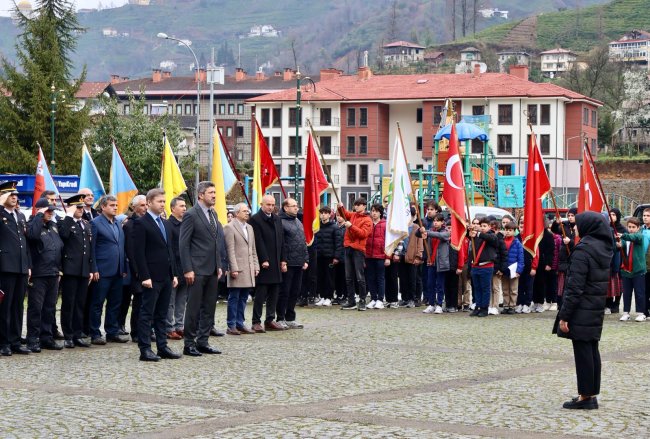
[(453, 160)]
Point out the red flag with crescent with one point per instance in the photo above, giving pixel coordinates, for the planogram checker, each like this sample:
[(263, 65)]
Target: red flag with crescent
[(589, 196), (454, 191), (538, 187)]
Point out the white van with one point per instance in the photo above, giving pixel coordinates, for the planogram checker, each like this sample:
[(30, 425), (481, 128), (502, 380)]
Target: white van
[(481, 211)]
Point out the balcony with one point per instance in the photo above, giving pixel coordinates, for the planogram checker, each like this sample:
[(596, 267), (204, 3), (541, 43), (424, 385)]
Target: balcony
[(335, 178), (326, 124), (331, 153)]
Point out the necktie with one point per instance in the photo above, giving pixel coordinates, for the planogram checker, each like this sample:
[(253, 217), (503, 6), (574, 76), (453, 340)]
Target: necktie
[(162, 228), (213, 224), (81, 224)]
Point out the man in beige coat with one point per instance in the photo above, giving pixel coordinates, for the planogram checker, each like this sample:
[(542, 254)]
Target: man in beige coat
[(244, 267)]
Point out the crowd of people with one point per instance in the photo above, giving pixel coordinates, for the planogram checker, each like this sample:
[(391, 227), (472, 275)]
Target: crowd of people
[(169, 270)]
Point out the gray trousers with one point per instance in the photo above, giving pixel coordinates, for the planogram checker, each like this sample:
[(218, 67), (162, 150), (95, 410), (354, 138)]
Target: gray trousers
[(177, 303), (199, 312)]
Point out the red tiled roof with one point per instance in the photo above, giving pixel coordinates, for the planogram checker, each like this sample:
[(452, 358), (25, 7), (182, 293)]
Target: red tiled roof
[(91, 89), (433, 55), (425, 87), (558, 50), (404, 44)]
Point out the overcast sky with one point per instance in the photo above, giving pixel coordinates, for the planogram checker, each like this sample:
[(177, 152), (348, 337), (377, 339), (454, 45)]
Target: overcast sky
[(7, 5)]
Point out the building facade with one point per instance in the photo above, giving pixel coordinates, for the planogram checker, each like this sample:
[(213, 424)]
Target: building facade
[(557, 61), (403, 53), (633, 48)]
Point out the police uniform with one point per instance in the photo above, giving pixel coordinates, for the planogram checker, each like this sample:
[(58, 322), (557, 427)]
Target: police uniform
[(78, 265), (14, 266), (46, 249)]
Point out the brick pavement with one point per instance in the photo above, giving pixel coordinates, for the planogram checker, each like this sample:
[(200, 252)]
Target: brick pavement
[(379, 374)]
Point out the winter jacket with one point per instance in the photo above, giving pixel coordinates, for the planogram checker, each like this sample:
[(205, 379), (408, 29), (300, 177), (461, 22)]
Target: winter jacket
[(325, 240), (295, 246), (515, 254), (587, 279), (45, 246), (501, 261), (530, 262), (339, 238), (357, 234), (546, 250), (638, 267), (375, 244), (488, 254), (557, 244), (411, 249), (442, 250)]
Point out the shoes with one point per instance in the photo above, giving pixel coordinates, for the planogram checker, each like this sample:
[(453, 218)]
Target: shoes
[(5, 351), (283, 324), (20, 350), (625, 317), (34, 347), (472, 306), (437, 309), (371, 305), (608, 311), (585, 404), (379, 304), (519, 309), (327, 302), (245, 330), (615, 310), (293, 325), (465, 308), (68, 344), (493, 311), (410, 304), (546, 306), (403, 303), (361, 305), (122, 331), (58, 335), (482, 313), (539, 308), (191, 351), (215, 333), (174, 336), (336, 301), (51, 345), (117, 339), (302, 303), (640, 318), (98, 340), (554, 307), (393, 305), (429, 309), (232, 331), (311, 300), (417, 303), (148, 355), (348, 306), (525, 309), (81, 343), (273, 326), (320, 302), (167, 353), (508, 311), (451, 310), (181, 332), (257, 327), (207, 349), (475, 312)]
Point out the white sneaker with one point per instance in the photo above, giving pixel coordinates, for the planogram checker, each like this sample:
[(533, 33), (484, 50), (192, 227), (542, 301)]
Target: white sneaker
[(429, 309), (472, 306), (525, 309), (379, 304), (554, 307), (250, 299), (283, 324), (438, 309), (546, 306), (293, 325), (493, 311), (394, 305), (608, 311), (625, 317), (372, 304), (640, 318), (518, 309), (327, 302), (320, 302), (539, 308)]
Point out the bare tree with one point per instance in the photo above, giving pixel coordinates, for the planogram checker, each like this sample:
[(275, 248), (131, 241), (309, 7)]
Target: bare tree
[(474, 16), (453, 19), (392, 25), (463, 13)]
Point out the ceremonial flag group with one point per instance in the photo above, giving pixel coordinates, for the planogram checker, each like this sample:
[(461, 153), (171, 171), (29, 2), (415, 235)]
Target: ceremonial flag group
[(399, 196), (43, 181), (589, 195), (89, 177), (264, 172), (222, 175), (171, 179), (315, 185), (121, 183), (538, 187), (454, 191)]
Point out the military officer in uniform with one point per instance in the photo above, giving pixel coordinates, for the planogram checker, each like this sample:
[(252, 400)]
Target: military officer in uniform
[(46, 249), (78, 267), (15, 266)]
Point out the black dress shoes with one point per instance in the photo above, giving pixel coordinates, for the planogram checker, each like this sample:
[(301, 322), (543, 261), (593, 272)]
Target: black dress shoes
[(21, 350), (122, 331), (191, 351), (68, 344), (81, 343), (34, 347), (215, 333), (117, 338), (51, 345), (5, 351), (148, 355), (207, 349), (169, 354), (585, 404), (58, 335)]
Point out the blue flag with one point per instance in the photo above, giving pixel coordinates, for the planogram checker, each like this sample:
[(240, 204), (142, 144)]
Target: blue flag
[(89, 177)]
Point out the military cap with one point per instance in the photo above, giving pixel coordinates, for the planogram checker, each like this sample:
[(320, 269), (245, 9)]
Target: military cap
[(9, 186), (75, 200), (42, 202)]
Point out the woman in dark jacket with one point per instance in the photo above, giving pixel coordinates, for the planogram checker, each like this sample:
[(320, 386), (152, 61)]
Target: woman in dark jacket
[(583, 308)]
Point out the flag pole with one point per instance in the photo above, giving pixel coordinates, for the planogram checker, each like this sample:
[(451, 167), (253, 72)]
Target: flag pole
[(232, 166), (259, 131), (417, 207), (467, 215), (320, 152)]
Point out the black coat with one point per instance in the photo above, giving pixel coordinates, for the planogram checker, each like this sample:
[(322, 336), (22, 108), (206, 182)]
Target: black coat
[(326, 240), (339, 239), (501, 261), (269, 243), (129, 250), (45, 246), (295, 246), (154, 254), (585, 288), (14, 251), (175, 226), (77, 255), (90, 216), (546, 250)]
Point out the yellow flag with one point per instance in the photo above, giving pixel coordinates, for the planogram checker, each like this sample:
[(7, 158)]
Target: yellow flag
[(222, 176), (171, 178)]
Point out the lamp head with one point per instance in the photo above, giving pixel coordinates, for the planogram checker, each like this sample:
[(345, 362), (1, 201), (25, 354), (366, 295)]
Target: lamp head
[(162, 35)]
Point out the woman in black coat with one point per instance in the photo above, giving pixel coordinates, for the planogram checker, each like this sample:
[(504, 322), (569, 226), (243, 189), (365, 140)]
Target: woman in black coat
[(583, 309)]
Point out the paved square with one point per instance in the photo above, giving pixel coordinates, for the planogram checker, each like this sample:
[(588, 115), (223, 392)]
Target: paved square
[(379, 374)]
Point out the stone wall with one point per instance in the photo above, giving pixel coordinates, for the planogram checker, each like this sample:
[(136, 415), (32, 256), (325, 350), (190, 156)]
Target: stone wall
[(631, 179)]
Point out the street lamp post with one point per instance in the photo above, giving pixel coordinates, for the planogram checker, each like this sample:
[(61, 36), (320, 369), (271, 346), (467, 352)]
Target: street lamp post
[(164, 36), (298, 144), (53, 105), (215, 75)]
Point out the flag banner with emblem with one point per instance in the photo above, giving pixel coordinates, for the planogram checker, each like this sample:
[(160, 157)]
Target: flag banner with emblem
[(399, 206), (171, 179), (89, 176), (265, 173), (538, 187), (589, 196), (43, 180), (315, 185), (222, 175), (454, 191), (122, 186)]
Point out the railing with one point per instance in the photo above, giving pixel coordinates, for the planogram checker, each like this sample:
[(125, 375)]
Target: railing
[(326, 122), (622, 202), (332, 150), (335, 178)]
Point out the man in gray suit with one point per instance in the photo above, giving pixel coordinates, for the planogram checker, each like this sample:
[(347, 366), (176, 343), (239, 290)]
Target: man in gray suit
[(203, 258)]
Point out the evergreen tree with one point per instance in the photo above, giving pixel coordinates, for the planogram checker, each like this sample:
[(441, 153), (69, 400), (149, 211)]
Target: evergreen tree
[(45, 44)]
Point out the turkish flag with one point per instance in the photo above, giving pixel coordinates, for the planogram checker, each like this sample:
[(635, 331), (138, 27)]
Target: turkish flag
[(538, 187), (315, 184), (454, 191), (589, 196)]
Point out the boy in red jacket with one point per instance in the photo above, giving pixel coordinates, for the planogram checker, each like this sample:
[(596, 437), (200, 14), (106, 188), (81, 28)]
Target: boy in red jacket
[(358, 226)]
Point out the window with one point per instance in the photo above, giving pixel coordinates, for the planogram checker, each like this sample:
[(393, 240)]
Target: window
[(292, 145), (352, 174), (363, 195), (545, 143), (266, 118), (292, 170), (267, 140), (276, 146), (293, 121), (363, 117), (504, 142), (363, 174), (158, 109), (505, 170), (231, 108), (326, 117), (363, 145), (419, 167), (418, 115), (437, 114), (477, 146), (352, 117), (240, 108), (228, 131), (277, 117), (478, 110), (127, 109), (351, 197), (222, 108), (170, 109), (195, 109), (352, 149), (145, 109), (594, 118), (545, 114), (505, 114), (418, 143), (326, 144), (278, 169), (179, 109), (594, 146), (585, 116), (240, 131), (240, 155), (532, 114), (214, 108)]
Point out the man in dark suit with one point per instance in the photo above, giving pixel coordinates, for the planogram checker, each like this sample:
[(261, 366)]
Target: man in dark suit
[(89, 212), (108, 254), (202, 256), (78, 267), (15, 264), (178, 300), (269, 243), (155, 261)]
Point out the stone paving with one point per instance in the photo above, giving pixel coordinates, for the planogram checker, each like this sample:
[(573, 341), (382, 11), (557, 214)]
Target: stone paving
[(379, 374)]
